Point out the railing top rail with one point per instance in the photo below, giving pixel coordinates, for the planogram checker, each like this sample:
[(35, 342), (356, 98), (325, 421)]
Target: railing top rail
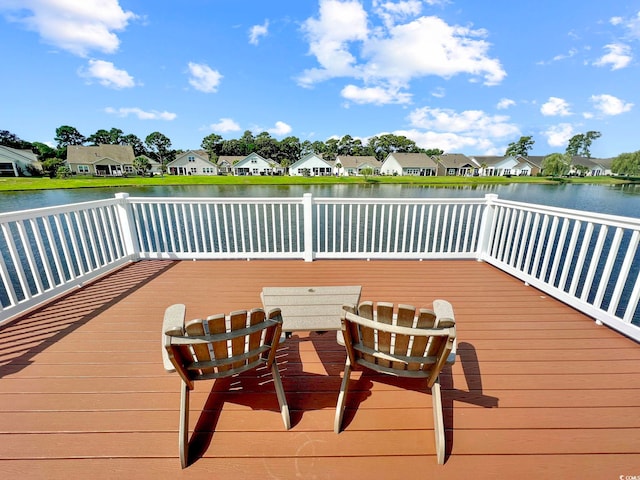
[(402, 201), (54, 210), (214, 200), (582, 215)]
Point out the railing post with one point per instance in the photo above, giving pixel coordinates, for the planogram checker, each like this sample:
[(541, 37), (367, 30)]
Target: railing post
[(484, 237), (125, 219), (307, 204)]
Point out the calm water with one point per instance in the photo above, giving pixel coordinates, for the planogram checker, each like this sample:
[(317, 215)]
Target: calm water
[(616, 200)]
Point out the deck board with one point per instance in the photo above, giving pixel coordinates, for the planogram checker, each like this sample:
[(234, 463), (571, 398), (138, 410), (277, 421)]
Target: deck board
[(538, 389)]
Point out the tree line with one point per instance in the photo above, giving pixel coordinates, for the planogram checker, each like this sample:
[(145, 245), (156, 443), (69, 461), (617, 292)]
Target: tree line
[(158, 146)]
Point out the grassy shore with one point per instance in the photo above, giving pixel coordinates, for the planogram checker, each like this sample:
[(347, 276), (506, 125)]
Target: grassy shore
[(22, 183)]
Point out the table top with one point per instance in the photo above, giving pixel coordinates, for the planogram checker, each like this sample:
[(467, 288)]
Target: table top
[(310, 308)]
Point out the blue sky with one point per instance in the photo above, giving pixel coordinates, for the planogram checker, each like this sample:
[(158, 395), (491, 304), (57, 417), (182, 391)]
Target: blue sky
[(464, 76)]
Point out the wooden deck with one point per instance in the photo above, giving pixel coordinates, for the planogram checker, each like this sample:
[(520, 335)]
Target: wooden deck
[(538, 391)]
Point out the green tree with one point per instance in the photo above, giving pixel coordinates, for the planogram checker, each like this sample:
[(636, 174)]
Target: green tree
[(66, 135), (43, 151), (141, 165), (212, 144), (137, 145), (556, 165), (51, 165), (101, 137), (11, 140), (580, 144), (627, 164), (160, 148), (520, 148), (289, 148)]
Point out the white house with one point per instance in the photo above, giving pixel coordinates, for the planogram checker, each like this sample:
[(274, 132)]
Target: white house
[(496, 166), (226, 162), (353, 165), (255, 164), (15, 162), (456, 164), (311, 165), (192, 162), (417, 164)]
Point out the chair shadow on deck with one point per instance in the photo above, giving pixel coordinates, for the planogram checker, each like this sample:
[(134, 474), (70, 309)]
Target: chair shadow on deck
[(23, 338), (360, 388)]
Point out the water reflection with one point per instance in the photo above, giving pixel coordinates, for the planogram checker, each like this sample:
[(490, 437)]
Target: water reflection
[(611, 199)]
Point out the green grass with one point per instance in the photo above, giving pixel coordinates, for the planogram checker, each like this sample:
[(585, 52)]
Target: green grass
[(22, 183)]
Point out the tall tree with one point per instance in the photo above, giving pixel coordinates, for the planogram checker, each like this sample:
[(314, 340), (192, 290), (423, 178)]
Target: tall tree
[(101, 137), (11, 140), (43, 151), (160, 148), (212, 143), (580, 144), (520, 148), (65, 136), (137, 145), (289, 149)]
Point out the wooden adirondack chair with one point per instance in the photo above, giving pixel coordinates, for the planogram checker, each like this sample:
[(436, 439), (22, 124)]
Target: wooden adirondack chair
[(217, 347), (402, 344)]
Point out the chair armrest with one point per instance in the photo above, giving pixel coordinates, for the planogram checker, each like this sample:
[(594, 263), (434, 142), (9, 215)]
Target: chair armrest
[(173, 323)]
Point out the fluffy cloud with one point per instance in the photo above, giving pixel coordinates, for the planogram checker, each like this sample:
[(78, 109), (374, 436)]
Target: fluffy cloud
[(618, 56), (280, 129), (610, 105), (555, 107), (107, 75), (77, 27), (505, 103), (204, 78), (225, 125), (392, 54), (376, 95), (141, 114), (452, 131), (559, 135), (258, 31)]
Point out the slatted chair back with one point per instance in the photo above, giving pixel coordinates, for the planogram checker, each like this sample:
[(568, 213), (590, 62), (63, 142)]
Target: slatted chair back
[(401, 342), (221, 346)]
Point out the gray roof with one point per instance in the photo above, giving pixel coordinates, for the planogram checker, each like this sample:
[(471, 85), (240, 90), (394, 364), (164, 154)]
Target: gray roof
[(415, 160), (79, 154), (348, 161), (455, 160)]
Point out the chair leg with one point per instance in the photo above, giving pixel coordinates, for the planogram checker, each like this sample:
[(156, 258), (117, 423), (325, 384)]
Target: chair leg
[(342, 397), (183, 439), (282, 400), (438, 421)]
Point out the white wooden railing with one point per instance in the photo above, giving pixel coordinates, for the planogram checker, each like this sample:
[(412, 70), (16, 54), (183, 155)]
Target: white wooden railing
[(589, 261)]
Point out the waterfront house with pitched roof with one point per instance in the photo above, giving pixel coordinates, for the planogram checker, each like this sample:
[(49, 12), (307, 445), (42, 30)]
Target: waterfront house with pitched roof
[(451, 164), (353, 165), (15, 162), (102, 160), (418, 164), (255, 164), (192, 162), (311, 165)]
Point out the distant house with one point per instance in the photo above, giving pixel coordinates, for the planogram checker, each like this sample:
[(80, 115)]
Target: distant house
[(590, 166), (497, 166), (156, 168), (353, 165), (450, 164), (311, 165), (226, 162), (192, 162), (417, 164), (254, 164), (15, 162), (104, 160)]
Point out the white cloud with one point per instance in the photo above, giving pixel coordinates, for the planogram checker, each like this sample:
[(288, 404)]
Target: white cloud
[(258, 31), (204, 78), (393, 54), (141, 114), (610, 105), (505, 103), (619, 56), (376, 95), (555, 107), (632, 24), (559, 135), (280, 129), (451, 131), (107, 75), (225, 125), (75, 26)]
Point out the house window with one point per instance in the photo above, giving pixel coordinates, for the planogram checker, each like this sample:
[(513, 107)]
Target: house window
[(191, 158), (413, 171), (253, 160), (128, 169), (84, 169), (193, 170)]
